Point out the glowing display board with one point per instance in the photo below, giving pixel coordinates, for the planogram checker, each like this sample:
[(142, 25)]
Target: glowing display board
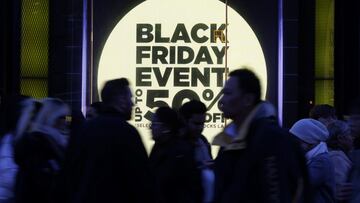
[(175, 50)]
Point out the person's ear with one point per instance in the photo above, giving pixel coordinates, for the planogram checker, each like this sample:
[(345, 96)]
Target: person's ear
[(119, 104), (122, 103), (249, 99)]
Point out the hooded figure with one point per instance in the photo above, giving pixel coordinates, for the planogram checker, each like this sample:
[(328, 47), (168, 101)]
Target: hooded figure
[(40, 152), (312, 136), (18, 120)]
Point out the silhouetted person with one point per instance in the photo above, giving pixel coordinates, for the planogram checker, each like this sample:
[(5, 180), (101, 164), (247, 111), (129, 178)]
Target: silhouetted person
[(258, 161), (340, 144), (193, 114), (40, 152), (354, 178), (176, 175), (109, 162), (324, 113), (312, 135), (354, 121), (15, 106), (93, 110)]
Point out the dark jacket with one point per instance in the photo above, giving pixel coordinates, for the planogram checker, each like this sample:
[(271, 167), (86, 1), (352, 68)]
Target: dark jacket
[(208, 146), (176, 176), (354, 176), (270, 169), (107, 163), (40, 160), (195, 144)]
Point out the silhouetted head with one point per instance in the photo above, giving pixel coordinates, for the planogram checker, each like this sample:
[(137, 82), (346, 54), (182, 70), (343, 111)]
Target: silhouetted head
[(165, 124), (193, 114), (309, 132), (323, 113), (53, 113), (241, 93), (117, 95), (340, 136)]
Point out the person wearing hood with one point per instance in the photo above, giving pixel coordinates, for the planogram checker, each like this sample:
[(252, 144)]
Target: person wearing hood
[(40, 152), (258, 161), (20, 113), (312, 136)]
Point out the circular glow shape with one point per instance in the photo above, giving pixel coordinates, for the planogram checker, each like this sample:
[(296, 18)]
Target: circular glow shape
[(171, 51)]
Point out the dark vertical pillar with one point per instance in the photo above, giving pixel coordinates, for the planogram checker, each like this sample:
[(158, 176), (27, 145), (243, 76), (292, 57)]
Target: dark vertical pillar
[(306, 57), (347, 56), (3, 58), (10, 44), (291, 50), (9, 52), (66, 51)]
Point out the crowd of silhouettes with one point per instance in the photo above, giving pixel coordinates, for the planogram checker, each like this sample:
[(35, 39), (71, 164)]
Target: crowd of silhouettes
[(52, 154)]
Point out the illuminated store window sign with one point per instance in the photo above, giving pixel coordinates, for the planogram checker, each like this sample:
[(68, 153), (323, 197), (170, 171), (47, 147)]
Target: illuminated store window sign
[(173, 51)]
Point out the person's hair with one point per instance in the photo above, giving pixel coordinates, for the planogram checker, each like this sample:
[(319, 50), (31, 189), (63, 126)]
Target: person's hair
[(192, 107), (114, 88), (248, 82), (51, 110), (322, 111), (335, 129), (169, 117)]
